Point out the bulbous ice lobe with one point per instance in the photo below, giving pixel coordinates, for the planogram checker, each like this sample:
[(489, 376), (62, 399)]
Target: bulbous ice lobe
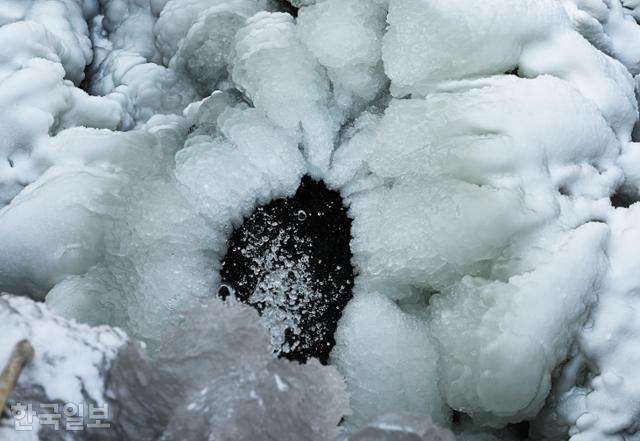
[(206, 50), (498, 358), (609, 26), (476, 167), (433, 41), (45, 46), (374, 338), (346, 36), (268, 54), (124, 67), (493, 276)]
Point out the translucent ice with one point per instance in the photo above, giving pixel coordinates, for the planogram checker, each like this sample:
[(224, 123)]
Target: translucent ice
[(346, 37), (480, 148), (230, 387), (269, 53), (395, 427), (374, 338)]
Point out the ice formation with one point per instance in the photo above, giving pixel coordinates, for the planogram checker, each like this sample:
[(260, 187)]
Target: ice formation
[(182, 390), (487, 155)]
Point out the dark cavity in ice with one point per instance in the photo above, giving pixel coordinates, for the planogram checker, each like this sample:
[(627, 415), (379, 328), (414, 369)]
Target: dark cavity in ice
[(291, 261), (624, 198), (287, 7)]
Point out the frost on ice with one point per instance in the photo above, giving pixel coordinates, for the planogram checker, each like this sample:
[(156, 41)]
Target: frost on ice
[(486, 155)]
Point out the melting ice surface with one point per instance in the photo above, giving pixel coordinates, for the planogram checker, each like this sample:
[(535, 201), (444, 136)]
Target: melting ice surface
[(485, 152)]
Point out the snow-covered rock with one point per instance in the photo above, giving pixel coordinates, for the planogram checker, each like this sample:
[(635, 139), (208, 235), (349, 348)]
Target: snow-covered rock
[(184, 390)]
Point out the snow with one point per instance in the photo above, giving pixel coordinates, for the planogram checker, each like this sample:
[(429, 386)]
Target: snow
[(37, 97), (69, 359), (609, 26), (478, 147), (606, 403)]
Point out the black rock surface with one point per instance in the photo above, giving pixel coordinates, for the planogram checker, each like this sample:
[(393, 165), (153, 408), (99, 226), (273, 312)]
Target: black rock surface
[(291, 260)]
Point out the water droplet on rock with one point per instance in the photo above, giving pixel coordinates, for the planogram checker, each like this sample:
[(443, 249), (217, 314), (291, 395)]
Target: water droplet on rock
[(298, 275)]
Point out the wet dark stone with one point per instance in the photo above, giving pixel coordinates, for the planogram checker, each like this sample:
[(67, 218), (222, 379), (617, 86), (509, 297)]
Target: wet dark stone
[(291, 260), (287, 7), (513, 71), (623, 199), (521, 430)]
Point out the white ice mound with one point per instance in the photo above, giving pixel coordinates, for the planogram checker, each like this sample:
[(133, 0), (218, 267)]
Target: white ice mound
[(432, 42), (44, 47), (598, 390), (270, 55), (206, 37), (259, 161), (88, 252), (470, 164), (498, 357), (346, 38), (374, 338), (609, 25)]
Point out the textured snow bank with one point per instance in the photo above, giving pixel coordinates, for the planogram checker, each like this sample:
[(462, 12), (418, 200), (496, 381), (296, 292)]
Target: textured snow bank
[(499, 363), (597, 393), (610, 26), (45, 46), (70, 359)]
